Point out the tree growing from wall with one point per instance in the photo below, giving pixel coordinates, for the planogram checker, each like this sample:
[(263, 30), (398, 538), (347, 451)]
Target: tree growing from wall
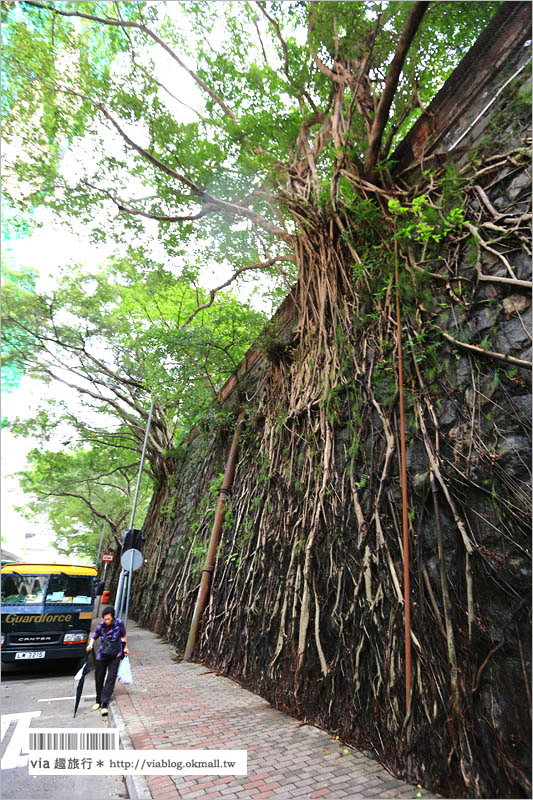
[(289, 162)]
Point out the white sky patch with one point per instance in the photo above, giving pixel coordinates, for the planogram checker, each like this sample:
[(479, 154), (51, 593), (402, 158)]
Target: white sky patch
[(23, 402)]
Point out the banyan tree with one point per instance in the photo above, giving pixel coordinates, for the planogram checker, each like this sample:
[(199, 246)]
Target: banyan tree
[(373, 574)]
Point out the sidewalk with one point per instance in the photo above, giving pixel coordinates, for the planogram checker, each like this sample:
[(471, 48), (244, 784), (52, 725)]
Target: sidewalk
[(176, 705)]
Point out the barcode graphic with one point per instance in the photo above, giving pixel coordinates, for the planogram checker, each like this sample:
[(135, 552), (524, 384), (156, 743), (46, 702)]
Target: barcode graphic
[(73, 740)]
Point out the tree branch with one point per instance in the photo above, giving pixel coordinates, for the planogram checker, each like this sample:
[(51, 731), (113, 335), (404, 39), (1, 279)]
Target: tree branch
[(80, 351), (232, 208), (129, 419), (520, 362), (281, 40), (261, 41), (101, 515), (238, 272), (125, 209), (382, 114), (141, 27)]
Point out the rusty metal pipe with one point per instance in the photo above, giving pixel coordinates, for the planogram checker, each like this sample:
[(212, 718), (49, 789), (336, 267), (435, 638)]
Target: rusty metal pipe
[(210, 559), (405, 517)]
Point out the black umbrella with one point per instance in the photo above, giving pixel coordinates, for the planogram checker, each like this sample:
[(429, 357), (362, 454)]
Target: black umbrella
[(85, 669)]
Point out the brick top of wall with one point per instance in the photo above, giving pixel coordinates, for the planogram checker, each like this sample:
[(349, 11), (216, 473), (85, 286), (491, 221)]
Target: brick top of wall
[(499, 50)]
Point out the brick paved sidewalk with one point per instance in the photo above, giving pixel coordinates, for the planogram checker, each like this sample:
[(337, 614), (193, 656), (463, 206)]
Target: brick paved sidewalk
[(174, 705)]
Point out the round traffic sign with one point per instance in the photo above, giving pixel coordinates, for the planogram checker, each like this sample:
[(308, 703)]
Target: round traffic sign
[(131, 559)]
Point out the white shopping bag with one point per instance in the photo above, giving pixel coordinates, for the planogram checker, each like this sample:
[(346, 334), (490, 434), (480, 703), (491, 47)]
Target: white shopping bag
[(124, 671)]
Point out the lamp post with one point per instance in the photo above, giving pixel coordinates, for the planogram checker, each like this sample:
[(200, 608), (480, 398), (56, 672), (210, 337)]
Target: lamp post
[(100, 544), (124, 586)]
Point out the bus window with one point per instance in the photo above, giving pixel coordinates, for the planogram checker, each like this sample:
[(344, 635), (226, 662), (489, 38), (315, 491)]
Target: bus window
[(37, 589), (22, 589), (64, 588)]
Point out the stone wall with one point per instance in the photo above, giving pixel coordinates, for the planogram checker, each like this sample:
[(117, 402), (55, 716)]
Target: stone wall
[(475, 370)]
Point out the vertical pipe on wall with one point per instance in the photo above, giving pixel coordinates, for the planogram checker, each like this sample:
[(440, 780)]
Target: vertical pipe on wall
[(210, 558), (405, 517)]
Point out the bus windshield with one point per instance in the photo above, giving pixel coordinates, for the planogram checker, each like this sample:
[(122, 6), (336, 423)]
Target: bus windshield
[(64, 588), (24, 589)]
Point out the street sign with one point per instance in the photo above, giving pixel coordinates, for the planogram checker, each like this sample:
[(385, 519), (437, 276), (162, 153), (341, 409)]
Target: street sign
[(131, 559), (107, 557)]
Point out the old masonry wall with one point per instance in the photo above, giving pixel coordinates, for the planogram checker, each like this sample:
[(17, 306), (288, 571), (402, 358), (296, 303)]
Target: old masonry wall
[(469, 732)]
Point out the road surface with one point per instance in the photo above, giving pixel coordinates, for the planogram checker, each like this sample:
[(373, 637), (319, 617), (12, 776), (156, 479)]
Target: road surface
[(41, 695)]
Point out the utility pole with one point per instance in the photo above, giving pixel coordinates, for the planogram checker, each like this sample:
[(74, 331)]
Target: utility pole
[(100, 545), (124, 585), (98, 561), (403, 481)]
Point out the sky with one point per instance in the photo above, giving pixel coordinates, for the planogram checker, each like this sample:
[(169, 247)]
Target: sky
[(47, 247)]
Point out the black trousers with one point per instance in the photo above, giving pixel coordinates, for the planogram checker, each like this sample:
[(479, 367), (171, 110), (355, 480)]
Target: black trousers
[(105, 685)]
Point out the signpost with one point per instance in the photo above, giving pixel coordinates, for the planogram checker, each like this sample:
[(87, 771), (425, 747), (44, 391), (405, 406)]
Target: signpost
[(106, 558)]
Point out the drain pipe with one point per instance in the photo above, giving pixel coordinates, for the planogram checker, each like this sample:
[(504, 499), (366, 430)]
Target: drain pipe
[(405, 517), (210, 559)]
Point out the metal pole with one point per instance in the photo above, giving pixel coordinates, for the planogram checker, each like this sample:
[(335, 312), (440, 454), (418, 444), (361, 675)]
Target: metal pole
[(100, 598), (125, 618), (118, 596), (124, 590), (100, 545), (142, 463), (119, 589)]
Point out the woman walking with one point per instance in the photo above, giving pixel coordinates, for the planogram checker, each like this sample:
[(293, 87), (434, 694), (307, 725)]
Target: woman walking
[(113, 647)]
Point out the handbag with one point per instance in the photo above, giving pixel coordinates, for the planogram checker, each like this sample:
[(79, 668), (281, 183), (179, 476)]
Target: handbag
[(124, 671), (111, 647)]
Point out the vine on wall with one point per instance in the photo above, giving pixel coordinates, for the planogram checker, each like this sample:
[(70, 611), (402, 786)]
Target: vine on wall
[(306, 604)]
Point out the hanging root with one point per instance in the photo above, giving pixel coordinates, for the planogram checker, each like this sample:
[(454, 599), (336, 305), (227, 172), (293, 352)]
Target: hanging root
[(307, 603)]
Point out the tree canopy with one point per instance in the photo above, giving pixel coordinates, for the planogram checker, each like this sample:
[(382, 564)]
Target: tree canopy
[(250, 141), (277, 103), (284, 123), (121, 336), (83, 491)]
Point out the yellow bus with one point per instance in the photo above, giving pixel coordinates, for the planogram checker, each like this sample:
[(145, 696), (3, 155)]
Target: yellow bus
[(46, 610)]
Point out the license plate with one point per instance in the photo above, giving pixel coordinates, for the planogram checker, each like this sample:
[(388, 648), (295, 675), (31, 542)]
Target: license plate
[(36, 654)]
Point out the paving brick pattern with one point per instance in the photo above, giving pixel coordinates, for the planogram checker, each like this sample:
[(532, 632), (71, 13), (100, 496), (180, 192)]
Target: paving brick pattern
[(173, 705)]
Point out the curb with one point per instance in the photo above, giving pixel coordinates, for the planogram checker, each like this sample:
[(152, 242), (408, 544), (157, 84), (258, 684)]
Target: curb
[(136, 785)]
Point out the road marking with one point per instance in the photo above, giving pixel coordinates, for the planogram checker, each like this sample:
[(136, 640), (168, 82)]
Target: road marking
[(50, 699), (16, 754), (7, 719), (5, 725)]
